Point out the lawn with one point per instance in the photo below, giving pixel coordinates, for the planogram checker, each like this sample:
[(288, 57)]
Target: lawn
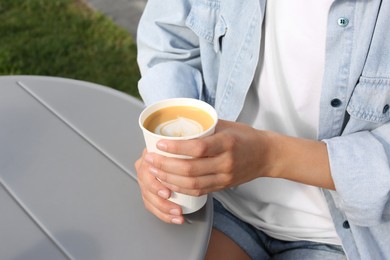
[(65, 38)]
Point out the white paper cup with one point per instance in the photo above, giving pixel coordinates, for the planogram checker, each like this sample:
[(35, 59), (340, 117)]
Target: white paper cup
[(188, 203)]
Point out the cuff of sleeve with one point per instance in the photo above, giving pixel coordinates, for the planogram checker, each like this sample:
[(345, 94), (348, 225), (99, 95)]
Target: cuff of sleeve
[(360, 171)]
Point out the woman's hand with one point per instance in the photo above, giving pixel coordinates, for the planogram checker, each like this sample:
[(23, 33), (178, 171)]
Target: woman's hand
[(235, 154), (155, 195)]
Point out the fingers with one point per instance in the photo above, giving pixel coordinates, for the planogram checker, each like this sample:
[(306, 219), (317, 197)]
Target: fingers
[(207, 184), (160, 165), (162, 208), (201, 147), (155, 196), (191, 176)]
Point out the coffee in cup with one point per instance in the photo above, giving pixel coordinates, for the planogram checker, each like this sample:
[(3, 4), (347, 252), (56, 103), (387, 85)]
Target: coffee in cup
[(178, 119)]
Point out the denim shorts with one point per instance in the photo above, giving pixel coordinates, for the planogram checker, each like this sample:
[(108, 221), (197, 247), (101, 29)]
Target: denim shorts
[(259, 245)]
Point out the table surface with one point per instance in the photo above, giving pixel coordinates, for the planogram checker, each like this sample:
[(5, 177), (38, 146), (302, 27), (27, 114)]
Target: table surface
[(68, 185)]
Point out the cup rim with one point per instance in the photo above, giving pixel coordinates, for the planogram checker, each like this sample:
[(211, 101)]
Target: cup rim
[(178, 102)]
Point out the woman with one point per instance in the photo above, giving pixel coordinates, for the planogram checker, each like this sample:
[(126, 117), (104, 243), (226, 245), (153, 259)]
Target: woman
[(299, 161)]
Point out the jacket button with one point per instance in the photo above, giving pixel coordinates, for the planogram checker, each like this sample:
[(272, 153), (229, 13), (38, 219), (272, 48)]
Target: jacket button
[(335, 102), (346, 224), (385, 109), (343, 22)]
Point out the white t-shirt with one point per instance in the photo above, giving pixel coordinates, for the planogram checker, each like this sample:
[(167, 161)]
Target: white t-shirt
[(285, 97)]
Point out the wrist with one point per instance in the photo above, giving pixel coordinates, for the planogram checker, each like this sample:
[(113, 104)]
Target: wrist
[(297, 159), (271, 154)]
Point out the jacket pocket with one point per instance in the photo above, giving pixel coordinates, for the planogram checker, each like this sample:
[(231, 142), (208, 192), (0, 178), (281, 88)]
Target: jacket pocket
[(369, 106), (207, 23)]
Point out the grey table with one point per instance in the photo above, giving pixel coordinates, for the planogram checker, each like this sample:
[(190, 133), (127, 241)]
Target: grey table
[(68, 187)]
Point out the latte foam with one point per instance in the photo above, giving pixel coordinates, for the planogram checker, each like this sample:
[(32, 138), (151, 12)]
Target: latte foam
[(179, 127)]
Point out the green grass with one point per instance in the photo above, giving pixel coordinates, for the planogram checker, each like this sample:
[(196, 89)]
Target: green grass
[(65, 38)]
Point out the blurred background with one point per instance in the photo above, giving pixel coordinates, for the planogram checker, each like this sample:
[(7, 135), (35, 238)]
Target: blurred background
[(90, 40)]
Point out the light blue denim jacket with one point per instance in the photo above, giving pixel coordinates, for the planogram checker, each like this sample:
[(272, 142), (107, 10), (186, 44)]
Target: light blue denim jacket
[(209, 49)]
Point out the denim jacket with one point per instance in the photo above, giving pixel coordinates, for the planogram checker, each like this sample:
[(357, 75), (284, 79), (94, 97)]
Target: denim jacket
[(209, 49)]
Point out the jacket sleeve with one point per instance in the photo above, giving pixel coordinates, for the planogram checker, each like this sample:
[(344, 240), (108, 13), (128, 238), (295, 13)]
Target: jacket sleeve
[(360, 169), (168, 52), (359, 159)]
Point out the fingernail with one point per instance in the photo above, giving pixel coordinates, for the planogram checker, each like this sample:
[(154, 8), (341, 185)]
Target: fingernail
[(174, 212), (177, 221), (148, 158), (153, 171), (162, 146), (163, 194)]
